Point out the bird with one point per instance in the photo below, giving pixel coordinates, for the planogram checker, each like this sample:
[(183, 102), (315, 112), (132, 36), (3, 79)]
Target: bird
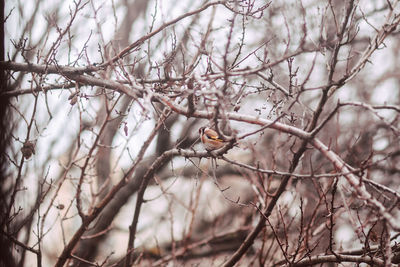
[(210, 139)]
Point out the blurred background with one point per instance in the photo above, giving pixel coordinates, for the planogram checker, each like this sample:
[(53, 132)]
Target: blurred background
[(88, 128)]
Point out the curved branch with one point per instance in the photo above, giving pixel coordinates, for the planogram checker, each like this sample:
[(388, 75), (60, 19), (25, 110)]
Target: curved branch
[(329, 154), (339, 259)]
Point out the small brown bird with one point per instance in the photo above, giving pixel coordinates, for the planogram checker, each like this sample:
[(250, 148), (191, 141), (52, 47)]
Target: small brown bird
[(210, 139)]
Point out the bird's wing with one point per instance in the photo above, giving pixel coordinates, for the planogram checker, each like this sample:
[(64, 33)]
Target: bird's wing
[(213, 136)]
